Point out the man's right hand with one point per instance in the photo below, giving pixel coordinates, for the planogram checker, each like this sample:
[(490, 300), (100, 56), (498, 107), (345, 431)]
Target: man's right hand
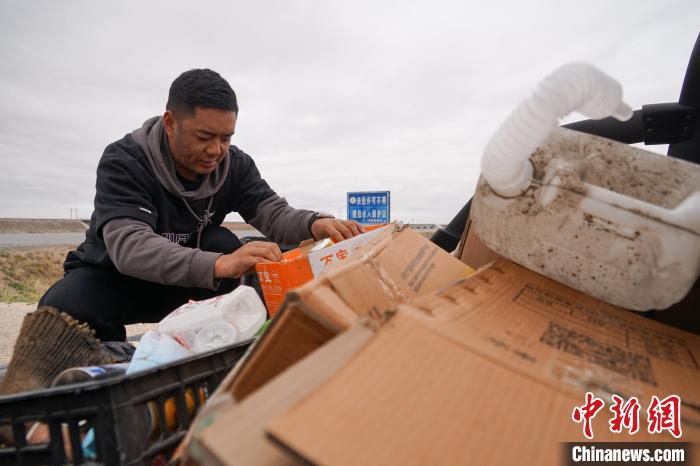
[(244, 258)]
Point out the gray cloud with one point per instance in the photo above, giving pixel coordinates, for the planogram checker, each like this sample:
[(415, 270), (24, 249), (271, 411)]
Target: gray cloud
[(335, 96)]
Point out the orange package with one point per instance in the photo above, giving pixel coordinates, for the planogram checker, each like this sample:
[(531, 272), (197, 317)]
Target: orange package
[(302, 264)]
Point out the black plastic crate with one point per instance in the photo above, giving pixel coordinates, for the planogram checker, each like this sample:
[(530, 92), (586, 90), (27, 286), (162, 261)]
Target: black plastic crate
[(121, 411)]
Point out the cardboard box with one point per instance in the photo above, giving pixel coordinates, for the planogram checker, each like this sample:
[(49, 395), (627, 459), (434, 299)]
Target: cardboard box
[(484, 371), (301, 265), (398, 266), (488, 372)]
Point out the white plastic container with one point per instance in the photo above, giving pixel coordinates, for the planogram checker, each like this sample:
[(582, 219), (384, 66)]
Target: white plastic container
[(212, 323), (614, 221)]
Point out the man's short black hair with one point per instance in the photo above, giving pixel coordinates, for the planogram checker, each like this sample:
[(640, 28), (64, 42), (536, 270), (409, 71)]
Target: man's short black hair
[(200, 88)]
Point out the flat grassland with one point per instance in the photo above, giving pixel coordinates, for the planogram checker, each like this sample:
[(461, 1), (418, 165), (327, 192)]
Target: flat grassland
[(26, 273)]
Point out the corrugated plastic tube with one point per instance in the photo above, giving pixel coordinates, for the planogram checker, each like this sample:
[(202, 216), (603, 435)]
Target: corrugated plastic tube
[(576, 86)]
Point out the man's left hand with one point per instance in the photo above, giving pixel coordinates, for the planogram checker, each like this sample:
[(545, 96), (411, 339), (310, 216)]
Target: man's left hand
[(336, 229)]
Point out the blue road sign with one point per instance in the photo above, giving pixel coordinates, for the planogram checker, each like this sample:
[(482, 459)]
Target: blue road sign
[(370, 207)]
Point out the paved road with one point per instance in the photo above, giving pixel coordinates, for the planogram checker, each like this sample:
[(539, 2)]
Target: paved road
[(40, 239)]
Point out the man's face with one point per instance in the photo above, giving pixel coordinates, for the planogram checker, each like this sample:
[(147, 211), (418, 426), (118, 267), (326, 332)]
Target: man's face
[(199, 142)]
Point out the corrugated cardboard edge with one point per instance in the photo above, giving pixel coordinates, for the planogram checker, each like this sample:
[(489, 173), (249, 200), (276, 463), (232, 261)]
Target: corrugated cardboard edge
[(272, 351), (472, 251)]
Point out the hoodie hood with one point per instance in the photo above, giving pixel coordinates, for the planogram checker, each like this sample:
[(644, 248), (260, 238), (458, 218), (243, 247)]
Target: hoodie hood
[(151, 138)]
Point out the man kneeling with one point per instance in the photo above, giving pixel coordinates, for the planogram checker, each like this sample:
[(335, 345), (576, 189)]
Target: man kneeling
[(155, 238)]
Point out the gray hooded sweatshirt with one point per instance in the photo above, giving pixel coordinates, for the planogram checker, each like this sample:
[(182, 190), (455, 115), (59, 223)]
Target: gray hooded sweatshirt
[(151, 234)]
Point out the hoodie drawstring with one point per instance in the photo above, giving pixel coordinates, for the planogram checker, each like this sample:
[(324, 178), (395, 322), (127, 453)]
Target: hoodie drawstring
[(204, 220)]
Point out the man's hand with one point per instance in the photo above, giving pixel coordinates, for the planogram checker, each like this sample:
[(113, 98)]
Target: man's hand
[(337, 230), (244, 258)]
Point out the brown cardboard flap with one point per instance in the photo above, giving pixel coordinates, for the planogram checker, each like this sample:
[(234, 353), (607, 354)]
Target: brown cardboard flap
[(327, 305), (238, 437), (394, 270), (361, 289), (474, 253), (293, 335)]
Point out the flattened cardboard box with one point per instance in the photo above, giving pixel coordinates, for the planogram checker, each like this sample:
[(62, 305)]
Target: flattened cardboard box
[(395, 268), (488, 372)]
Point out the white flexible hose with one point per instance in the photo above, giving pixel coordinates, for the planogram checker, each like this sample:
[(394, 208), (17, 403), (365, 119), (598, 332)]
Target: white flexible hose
[(576, 86)]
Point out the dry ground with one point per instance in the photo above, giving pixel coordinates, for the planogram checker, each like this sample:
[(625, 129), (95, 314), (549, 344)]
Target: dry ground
[(25, 274), (11, 316)]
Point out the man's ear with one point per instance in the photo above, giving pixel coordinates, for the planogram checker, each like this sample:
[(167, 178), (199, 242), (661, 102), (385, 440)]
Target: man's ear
[(169, 123)]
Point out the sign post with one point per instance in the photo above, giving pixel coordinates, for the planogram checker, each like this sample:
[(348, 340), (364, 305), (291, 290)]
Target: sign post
[(369, 207)]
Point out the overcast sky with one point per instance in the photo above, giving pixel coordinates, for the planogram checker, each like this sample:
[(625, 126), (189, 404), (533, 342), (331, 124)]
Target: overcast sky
[(334, 96)]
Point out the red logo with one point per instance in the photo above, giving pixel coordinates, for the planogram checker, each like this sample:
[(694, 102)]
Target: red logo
[(625, 415), (665, 415), (661, 415), (587, 412)]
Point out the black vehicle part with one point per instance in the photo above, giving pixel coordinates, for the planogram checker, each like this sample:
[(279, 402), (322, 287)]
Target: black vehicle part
[(120, 410), (628, 132), (448, 238), (667, 123), (676, 123), (689, 149)]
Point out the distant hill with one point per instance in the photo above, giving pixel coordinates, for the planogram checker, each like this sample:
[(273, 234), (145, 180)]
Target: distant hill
[(41, 225)]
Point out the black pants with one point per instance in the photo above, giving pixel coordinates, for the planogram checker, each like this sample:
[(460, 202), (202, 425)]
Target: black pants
[(107, 300)]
